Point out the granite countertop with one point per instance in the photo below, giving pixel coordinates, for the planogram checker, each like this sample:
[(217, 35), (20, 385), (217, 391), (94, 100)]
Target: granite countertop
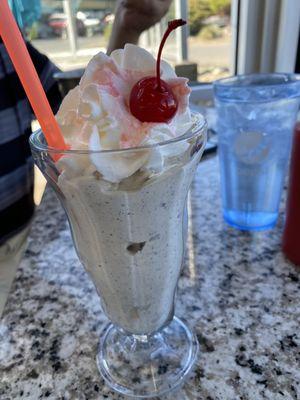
[(237, 291)]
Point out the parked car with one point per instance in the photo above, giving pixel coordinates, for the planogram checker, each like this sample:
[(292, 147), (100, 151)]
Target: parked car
[(86, 24), (109, 18)]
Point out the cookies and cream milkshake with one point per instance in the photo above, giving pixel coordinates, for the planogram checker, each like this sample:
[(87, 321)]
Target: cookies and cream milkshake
[(124, 187), (129, 237)]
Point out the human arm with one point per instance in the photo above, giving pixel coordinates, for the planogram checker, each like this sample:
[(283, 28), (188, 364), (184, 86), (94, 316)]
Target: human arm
[(132, 17)]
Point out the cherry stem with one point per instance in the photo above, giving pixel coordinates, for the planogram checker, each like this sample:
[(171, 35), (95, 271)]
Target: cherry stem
[(172, 25)]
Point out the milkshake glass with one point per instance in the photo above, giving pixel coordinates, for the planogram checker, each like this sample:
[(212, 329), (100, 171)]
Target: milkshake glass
[(129, 237)]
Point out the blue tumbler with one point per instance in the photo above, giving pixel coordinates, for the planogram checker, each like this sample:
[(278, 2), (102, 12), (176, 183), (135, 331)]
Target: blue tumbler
[(256, 117)]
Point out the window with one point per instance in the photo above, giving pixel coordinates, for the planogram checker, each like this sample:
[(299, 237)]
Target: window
[(225, 36), (208, 45), (210, 38), (71, 48)]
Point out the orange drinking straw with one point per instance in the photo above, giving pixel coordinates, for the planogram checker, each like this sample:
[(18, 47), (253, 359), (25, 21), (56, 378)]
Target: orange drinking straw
[(24, 67)]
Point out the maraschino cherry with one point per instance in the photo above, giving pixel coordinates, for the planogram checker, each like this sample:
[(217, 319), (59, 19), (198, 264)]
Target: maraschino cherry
[(151, 98)]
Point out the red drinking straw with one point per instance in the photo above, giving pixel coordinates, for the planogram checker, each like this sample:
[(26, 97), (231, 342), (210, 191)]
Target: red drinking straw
[(24, 67)]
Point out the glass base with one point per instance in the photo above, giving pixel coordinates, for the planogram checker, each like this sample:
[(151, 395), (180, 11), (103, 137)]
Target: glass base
[(147, 366), (250, 221)]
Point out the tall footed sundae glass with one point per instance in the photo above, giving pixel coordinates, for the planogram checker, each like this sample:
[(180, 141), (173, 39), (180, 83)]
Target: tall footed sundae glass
[(123, 183), (129, 237)]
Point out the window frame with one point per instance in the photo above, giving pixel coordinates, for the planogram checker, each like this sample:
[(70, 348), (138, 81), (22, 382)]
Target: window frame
[(265, 28)]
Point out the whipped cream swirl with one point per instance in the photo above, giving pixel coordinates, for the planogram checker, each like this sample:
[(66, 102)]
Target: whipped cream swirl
[(96, 116)]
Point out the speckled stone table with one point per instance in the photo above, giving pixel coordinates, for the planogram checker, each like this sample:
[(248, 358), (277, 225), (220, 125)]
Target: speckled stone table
[(237, 291)]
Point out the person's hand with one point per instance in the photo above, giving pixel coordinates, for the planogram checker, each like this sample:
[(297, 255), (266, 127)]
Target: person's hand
[(140, 15), (132, 17)]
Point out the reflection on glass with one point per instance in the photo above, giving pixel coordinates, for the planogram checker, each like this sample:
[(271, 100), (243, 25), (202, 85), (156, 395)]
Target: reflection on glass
[(190, 241)]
